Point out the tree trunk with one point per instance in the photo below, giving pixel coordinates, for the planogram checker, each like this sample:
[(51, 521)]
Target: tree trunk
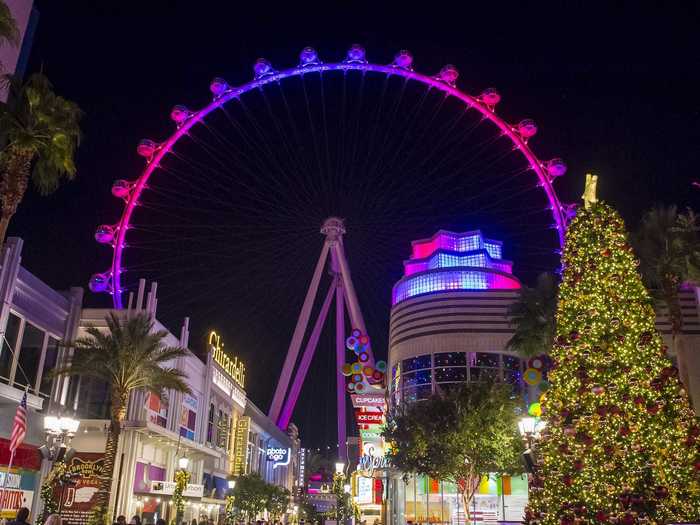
[(467, 487), (14, 178), (117, 417)]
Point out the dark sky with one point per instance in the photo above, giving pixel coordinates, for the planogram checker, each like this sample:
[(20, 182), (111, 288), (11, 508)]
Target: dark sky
[(613, 90)]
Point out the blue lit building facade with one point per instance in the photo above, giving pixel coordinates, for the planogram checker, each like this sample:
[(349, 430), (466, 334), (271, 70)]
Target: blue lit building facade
[(449, 325)]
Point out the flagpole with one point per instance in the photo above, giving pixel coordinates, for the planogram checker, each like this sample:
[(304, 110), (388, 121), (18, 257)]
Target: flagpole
[(9, 466)]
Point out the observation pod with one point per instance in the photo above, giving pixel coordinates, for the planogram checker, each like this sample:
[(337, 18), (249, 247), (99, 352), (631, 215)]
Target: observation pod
[(490, 97), (356, 55), (146, 148), (262, 68), (218, 86), (403, 59), (449, 75), (121, 188), (180, 114), (105, 234), (527, 128), (308, 57), (100, 282), (556, 167)]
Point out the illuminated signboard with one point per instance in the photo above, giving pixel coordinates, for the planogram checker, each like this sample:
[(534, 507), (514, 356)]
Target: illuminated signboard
[(240, 447), (233, 367), (302, 467), (364, 490), (367, 400), (279, 456), (369, 418)]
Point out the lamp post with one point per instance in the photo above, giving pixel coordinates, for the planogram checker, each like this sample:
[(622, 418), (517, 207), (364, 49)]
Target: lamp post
[(181, 478), (59, 431), (230, 498), (530, 428), (339, 491)]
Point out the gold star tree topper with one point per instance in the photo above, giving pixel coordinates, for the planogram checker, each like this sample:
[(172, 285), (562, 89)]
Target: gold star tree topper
[(589, 196)]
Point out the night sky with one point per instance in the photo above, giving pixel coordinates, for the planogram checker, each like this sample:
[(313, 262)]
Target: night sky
[(613, 90)]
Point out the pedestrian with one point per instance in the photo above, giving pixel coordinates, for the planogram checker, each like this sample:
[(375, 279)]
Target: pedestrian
[(135, 520), (161, 521), (121, 520), (21, 518)]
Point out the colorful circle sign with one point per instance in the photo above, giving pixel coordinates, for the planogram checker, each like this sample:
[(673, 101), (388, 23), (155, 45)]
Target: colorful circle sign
[(380, 365), (350, 387), (357, 378), (364, 357), (368, 371), (535, 410), (536, 363), (356, 368), (351, 342), (532, 376), (356, 333), (346, 370), (360, 387), (364, 340), (377, 375)]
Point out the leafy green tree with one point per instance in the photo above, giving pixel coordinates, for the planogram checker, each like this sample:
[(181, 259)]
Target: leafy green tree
[(9, 32), (251, 493), (128, 356), (621, 442), (277, 501), (39, 135), (458, 437), (668, 246), (532, 316)]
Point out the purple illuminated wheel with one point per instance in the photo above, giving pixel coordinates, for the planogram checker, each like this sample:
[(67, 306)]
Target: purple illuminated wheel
[(397, 152)]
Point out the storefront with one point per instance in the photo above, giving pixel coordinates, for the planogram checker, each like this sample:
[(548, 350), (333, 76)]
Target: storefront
[(20, 489), (421, 500)]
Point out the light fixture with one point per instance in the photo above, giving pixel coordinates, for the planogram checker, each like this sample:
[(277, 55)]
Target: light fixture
[(183, 463), (526, 426), (346, 488), (231, 484), (339, 467)]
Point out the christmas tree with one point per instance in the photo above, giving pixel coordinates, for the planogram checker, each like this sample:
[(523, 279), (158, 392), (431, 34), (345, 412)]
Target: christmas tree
[(622, 444)]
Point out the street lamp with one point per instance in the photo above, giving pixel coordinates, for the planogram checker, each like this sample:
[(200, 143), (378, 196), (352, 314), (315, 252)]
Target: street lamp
[(346, 488), (530, 428), (59, 433), (183, 463), (231, 484), (340, 468)]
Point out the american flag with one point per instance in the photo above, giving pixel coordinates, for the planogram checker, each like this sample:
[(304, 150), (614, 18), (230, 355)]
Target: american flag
[(19, 427)]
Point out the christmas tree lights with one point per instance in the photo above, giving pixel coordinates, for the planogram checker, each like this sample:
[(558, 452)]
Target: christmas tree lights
[(622, 444)]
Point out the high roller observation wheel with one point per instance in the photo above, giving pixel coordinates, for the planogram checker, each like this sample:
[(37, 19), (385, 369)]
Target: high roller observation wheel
[(402, 66)]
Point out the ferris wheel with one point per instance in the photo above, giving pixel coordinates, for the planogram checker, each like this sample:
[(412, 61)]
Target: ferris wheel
[(393, 150)]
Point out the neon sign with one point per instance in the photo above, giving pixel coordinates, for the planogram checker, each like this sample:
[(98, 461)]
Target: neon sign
[(279, 456), (233, 367)]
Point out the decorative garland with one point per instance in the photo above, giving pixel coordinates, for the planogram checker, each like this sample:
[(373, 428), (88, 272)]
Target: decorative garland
[(182, 478), (58, 472)]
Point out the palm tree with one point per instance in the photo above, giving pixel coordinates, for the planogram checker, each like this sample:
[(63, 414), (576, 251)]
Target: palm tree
[(668, 247), (9, 33), (128, 356), (40, 133), (533, 316)]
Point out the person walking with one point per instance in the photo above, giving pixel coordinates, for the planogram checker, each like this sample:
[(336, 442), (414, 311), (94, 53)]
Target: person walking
[(21, 518)]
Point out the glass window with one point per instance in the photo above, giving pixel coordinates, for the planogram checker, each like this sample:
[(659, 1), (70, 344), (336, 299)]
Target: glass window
[(29, 356), (416, 393), (483, 374), (451, 359), (8, 346), (416, 363), (49, 364), (450, 375), (420, 377), (210, 424), (511, 362), (484, 359)]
